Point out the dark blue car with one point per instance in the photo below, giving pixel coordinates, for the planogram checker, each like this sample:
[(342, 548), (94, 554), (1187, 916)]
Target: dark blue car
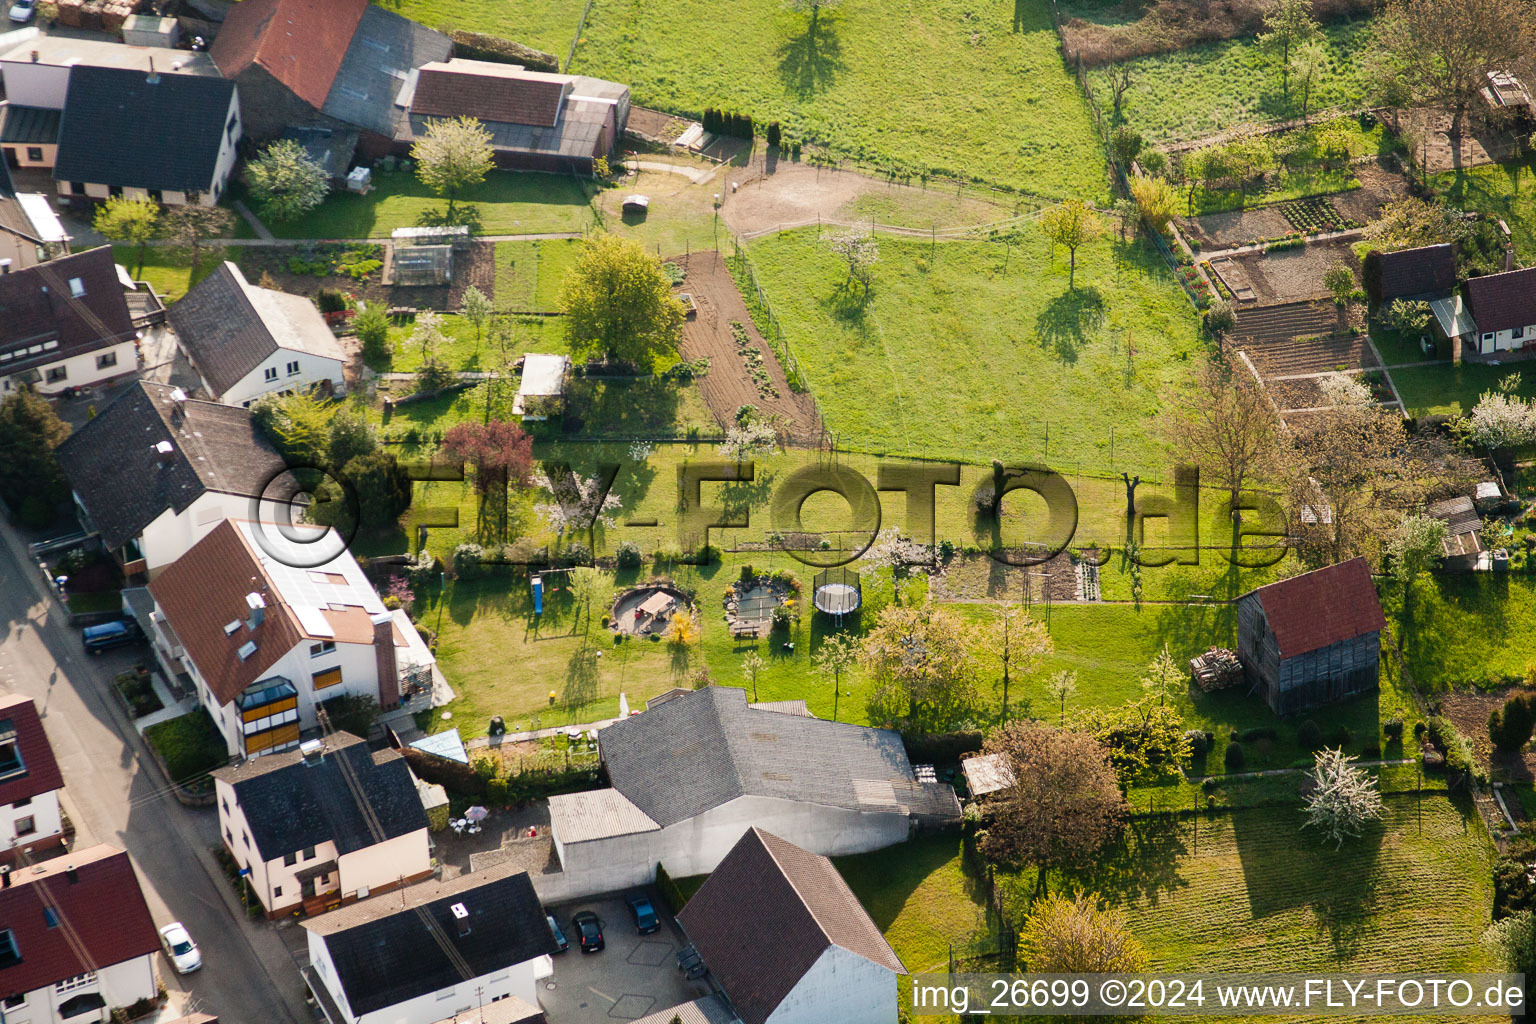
[(646, 918), (110, 634)]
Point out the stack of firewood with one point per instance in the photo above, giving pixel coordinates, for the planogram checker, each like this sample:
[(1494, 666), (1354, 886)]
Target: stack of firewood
[(100, 15), (1216, 669)]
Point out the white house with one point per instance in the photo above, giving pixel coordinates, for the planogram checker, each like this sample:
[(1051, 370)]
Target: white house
[(787, 941), (35, 66), (267, 627), (166, 137), (30, 781), (65, 323), (154, 471), (1503, 309), (690, 775), (246, 341), (76, 939), (431, 951), (300, 823)]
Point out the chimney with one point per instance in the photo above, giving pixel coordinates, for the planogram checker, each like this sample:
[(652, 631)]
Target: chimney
[(1509, 258), (461, 916), (152, 78), (5, 877), (312, 752), (178, 405), (36, 56), (258, 610), (71, 874), (384, 659), (5, 265), (163, 452)]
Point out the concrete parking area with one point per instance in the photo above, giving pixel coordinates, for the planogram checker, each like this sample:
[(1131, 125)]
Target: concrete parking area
[(633, 976)]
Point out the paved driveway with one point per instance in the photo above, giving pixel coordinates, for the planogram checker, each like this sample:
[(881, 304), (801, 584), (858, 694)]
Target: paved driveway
[(634, 976)]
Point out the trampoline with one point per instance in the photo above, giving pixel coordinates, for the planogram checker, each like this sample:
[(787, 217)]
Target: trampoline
[(837, 592)]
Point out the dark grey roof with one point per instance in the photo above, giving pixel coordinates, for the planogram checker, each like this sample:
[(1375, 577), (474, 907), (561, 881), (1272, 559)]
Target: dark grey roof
[(122, 128), (228, 327), (384, 50), (706, 748), (331, 148), (1428, 271), (112, 464), (39, 125), (290, 805), (385, 950)]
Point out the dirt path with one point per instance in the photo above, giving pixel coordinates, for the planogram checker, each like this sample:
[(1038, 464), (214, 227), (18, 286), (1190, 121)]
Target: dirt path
[(729, 385), (772, 193)]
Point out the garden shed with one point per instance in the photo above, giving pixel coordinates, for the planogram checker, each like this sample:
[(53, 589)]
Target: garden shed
[(1463, 545), (542, 391), (1312, 639)]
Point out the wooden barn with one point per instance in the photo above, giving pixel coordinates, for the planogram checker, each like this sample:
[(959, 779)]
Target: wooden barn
[(1312, 639)]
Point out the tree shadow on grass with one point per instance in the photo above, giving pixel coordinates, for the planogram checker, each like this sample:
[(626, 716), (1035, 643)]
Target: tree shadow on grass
[(1143, 866), (580, 676), (811, 60), (1069, 320), (464, 213)]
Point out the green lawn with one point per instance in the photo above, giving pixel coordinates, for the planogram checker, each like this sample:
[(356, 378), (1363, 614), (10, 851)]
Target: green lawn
[(168, 272), (964, 350), (506, 203), (528, 274), (942, 87), (1204, 89), (1477, 630), (1506, 191), (1453, 390), (548, 25), (464, 351)]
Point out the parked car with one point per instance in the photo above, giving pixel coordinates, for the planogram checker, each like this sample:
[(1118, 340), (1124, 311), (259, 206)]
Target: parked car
[(646, 918), (554, 929), (119, 633), (589, 931), (22, 11), (179, 948)]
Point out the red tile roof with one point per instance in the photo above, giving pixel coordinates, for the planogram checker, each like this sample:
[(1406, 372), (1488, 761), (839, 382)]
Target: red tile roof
[(1323, 607), (1500, 302), (490, 92), (301, 43), (798, 907), (41, 774), (101, 907)]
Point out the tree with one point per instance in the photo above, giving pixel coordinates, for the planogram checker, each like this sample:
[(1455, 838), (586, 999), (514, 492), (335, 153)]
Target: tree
[(1509, 727), (860, 251), (1062, 686), (1513, 942), (581, 503), (31, 482), (1411, 223), (1415, 545), (131, 221), (1306, 63), (1502, 420), (382, 487), (284, 182), (1444, 49), (350, 435), (587, 586), (1064, 804), (1125, 215), (837, 653), (1156, 199), (1145, 739), (1406, 317), (921, 663), (501, 451), (815, 7), (1287, 25), (619, 303), (682, 630), (476, 308), (1164, 678), (1343, 797), (1226, 426), (1073, 935), (372, 327), (1072, 224), (1119, 84), (428, 333), (1126, 143), (755, 437), (751, 665), (190, 225), (298, 425), (352, 712), (1017, 641), (1340, 281), (454, 154)]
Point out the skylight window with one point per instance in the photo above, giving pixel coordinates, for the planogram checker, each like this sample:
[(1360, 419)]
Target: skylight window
[(247, 649)]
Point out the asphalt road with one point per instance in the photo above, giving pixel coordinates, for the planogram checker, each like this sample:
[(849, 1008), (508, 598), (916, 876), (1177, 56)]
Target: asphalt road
[(116, 794)]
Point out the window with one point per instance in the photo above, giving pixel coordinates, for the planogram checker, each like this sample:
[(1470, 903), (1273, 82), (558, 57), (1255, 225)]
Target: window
[(25, 801), (26, 826), (234, 122), (115, 190), (57, 373), (271, 373), (330, 677), (293, 366), (35, 154), (290, 859), (322, 648), (9, 953), (1518, 332), (10, 754), (107, 361), (1488, 336), (13, 1001), (50, 917), (245, 838), (77, 187), (229, 837), (78, 981), (309, 853), (277, 890), (77, 287)]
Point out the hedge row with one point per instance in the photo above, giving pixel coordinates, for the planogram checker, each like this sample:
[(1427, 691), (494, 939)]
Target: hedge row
[(478, 46)]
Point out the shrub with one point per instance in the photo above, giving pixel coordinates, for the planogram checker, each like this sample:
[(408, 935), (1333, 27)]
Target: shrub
[(454, 776), (1510, 726), (1340, 737), (331, 300), (1198, 745), (668, 889), (1309, 736), (372, 328), (774, 135), (940, 748), (1419, 729), (1392, 728), (191, 745), (1234, 758), (467, 560), (496, 791), (352, 712), (577, 553), (628, 555), (1262, 732)]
